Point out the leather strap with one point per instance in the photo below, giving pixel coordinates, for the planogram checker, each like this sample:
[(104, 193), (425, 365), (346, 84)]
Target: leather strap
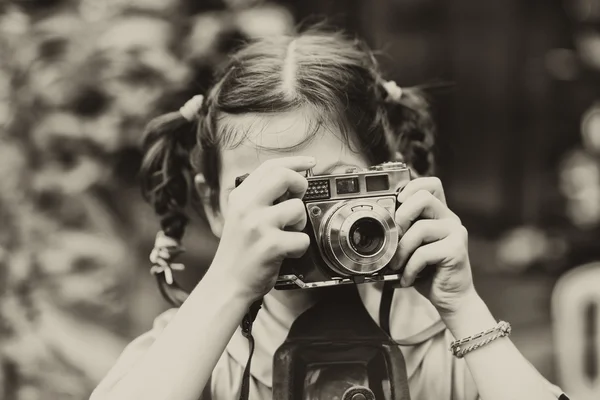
[(247, 332), (385, 306)]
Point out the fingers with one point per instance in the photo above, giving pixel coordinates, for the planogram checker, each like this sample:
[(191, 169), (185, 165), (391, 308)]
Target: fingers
[(422, 204), (431, 184), (292, 244), (430, 254), (279, 182), (447, 252), (289, 214), (422, 232), (275, 178)]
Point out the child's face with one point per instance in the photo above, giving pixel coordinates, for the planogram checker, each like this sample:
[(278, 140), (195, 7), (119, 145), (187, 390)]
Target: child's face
[(284, 131)]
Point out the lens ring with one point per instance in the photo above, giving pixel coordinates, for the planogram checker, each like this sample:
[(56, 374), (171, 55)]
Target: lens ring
[(334, 231), (366, 236)]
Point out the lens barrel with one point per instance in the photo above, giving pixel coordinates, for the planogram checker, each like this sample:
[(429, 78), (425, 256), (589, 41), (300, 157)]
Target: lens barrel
[(366, 236)]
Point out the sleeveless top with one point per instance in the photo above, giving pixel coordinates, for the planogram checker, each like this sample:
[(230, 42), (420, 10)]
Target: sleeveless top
[(433, 372)]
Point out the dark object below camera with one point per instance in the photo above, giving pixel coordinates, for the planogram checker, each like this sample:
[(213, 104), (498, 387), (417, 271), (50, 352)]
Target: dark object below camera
[(336, 350)]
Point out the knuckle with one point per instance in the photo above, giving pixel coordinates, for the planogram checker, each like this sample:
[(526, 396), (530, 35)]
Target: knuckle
[(458, 220), (417, 254), (424, 195), (455, 218), (268, 164), (252, 225), (398, 212), (463, 232), (420, 225), (436, 182), (409, 272), (411, 234), (457, 247), (272, 246), (297, 205), (400, 216), (304, 182), (269, 245), (277, 173), (406, 248)]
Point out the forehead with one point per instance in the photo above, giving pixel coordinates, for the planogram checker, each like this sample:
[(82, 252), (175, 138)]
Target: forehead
[(267, 136), (276, 132)]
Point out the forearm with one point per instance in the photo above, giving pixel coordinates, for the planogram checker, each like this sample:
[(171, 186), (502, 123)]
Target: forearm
[(181, 360), (499, 370)]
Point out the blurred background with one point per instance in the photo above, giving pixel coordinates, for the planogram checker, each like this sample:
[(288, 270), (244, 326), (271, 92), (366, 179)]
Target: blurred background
[(519, 153)]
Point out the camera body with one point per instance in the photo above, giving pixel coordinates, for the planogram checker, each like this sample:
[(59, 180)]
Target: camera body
[(351, 225)]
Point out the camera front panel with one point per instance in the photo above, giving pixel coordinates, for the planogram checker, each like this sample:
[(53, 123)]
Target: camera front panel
[(357, 183), (339, 253), (357, 236), (353, 236)]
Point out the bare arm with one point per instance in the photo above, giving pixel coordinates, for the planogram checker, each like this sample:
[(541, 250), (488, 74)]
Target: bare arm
[(245, 267), (499, 370), (433, 236), (181, 360)]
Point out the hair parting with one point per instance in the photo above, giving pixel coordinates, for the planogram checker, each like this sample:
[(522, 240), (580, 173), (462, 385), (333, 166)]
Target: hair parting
[(316, 70)]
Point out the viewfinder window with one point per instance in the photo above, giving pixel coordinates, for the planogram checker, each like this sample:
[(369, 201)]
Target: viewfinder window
[(347, 185), (377, 183)]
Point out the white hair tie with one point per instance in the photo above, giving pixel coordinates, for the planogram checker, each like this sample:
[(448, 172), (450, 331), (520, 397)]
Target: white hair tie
[(393, 90), (165, 250), (191, 108)]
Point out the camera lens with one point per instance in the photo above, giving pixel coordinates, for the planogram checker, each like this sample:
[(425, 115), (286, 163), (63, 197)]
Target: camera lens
[(366, 236)]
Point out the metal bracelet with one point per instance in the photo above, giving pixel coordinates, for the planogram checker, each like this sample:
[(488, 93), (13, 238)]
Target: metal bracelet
[(463, 346)]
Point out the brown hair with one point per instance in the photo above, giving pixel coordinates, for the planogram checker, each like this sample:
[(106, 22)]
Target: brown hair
[(327, 71)]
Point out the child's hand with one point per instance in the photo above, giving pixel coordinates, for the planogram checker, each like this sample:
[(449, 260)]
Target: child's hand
[(254, 243), (432, 236)]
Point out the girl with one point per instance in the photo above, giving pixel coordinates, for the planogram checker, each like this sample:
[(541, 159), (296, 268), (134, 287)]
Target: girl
[(281, 106)]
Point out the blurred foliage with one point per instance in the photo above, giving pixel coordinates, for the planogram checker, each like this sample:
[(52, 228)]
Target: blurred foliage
[(575, 241), (78, 81)]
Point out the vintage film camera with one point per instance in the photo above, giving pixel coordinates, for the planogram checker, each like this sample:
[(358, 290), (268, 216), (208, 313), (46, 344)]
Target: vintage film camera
[(351, 225)]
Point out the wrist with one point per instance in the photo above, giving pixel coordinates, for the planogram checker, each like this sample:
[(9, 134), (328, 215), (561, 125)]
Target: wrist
[(472, 317), (222, 282), (226, 279)]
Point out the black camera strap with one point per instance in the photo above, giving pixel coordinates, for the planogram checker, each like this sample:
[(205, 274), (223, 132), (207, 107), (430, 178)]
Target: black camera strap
[(246, 326), (385, 307)]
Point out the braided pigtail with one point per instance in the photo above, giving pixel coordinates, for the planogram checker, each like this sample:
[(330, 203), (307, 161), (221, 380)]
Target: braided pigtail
[(411, 125), (166, 176)]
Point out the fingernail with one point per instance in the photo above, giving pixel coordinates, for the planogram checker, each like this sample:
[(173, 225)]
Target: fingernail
[(311, 160), (403, 282)]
